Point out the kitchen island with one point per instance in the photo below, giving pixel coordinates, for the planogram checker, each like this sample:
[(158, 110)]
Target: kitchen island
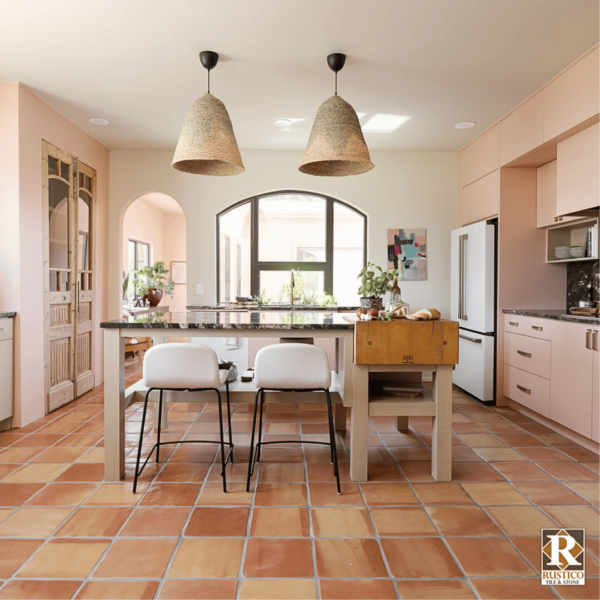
[(268, 324)]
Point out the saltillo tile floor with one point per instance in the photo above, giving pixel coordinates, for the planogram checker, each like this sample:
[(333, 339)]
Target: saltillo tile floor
[(64, 533)]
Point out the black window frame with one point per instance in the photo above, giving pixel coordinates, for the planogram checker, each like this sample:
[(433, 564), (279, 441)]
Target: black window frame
[(136, 267), (257, 266)]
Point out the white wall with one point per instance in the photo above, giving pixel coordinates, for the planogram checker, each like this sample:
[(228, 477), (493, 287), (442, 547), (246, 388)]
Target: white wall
[(406, 189)]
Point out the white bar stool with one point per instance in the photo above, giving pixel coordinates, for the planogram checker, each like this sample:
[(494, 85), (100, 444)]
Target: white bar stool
[(183, 368), (291, 368)]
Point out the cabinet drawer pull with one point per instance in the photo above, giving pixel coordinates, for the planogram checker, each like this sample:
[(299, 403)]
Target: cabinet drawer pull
[(513, 323), (594, 339), (523, 389), (464, 337), (587, 339), (537, 328), (527, 354)]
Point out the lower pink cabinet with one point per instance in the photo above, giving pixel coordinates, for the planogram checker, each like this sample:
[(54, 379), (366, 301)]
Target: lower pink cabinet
[(596, 387), (572, 401)]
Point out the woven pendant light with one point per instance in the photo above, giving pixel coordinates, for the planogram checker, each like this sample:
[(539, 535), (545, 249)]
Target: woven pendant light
[(207, 144), (336, 146)]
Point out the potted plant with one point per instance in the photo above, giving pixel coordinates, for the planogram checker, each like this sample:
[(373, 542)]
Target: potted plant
[(152, 283), (373, 285)]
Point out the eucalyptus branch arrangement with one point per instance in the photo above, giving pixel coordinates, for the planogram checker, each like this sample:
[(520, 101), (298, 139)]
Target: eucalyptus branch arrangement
[(375, 282)]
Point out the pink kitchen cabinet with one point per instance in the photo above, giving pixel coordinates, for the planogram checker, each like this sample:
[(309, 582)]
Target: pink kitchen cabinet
[(596, 387), (547, 214), (522, 130), (572, 378), (479, 200), (479, 158)]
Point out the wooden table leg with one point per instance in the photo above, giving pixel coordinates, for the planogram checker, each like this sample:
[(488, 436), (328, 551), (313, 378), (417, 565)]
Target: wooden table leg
[(402, 423), (114, 405), (441, 445), (340, 417), (359, 455)]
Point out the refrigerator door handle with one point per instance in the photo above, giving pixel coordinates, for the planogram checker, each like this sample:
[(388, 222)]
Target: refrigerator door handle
[(462, 242), (464, 337)]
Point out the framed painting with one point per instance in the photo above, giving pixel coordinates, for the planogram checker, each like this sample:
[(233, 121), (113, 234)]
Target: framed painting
[(179, 272), (407, 252)]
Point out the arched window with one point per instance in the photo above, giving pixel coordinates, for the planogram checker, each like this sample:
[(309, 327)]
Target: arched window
[(262, 238)]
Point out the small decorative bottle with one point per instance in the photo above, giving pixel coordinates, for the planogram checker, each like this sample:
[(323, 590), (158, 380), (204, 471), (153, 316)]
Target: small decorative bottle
[(396, 299)]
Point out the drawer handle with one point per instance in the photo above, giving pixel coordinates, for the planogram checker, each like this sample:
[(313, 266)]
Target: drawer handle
[(537, 328), (513, 323), (464, 337), (523, 389), (587, 339), (527, 354)]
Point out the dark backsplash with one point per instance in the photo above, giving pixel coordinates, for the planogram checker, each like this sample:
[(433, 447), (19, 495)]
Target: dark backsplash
[(579, 276)]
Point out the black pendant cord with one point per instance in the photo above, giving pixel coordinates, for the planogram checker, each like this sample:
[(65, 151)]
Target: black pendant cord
[(336, 83), (209, 81)]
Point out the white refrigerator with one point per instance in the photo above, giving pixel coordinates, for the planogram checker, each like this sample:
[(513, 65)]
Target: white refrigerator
[(473, 305)]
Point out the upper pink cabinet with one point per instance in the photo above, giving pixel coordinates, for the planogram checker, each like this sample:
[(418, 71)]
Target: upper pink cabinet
[(573, 97), (479, 158), (479, 200), (523, 130), (547, 212), (578, 172)]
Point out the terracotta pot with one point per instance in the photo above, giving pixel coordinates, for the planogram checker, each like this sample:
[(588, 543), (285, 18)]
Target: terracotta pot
[(154, 296), (369, 303)]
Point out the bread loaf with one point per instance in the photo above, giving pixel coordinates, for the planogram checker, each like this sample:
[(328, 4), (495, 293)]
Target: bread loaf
[(425, 314)]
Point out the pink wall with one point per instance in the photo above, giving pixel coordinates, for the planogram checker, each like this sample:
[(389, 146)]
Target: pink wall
[(175, 242), (37, 121)]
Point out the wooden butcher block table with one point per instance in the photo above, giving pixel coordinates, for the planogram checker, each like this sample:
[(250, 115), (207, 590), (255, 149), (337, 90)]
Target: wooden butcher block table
[(390, 349)]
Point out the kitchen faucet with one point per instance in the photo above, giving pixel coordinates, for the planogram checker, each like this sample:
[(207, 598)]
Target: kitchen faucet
[(292, 286)]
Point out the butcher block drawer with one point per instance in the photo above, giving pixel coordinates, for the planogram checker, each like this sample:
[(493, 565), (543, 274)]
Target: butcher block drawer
[(538, 328), (528, 354), (6, 329), (527, 389), (515, 324)]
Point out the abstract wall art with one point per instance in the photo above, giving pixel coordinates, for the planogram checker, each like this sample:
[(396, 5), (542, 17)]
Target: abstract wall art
[(407, 252)]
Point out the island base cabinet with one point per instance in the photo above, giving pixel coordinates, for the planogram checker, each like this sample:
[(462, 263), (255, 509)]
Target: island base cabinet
[(596, 387), (572, 376)]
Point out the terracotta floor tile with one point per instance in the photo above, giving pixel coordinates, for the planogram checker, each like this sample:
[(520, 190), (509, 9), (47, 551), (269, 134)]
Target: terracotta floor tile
[(212, 495), (500, 588), (93, 455), (359, 589), (34, 522), (79, 440), (493, 455), (41, 590), (481, 440), (579, 453), (576, 516), (564, 471), (269, 589), (495, 494), (384, 494), (589, 591), (95, 522), (62, 494), (171, 494), (116, 494), (280, 522), (15, 494), (544, 454), (415, 472), (156, 521), (419, 558), (183, 473), (462, 521), (489, 557), (133, 590), (281, 472), (517, 441), (282, 455), (69, 559), (325, 494), (194, 454), (36, 440), (593, 545), (58, 455), (199, 589), (280, 494), (349, 558), (587, 490), (398, 522), (503, 427), (18, 455), (83, 472), (403, 455), (136, 558), (13, 553), (38, 473), (451, 589), (207, 557), (342, 522), (523, 471), (548, 493), (441, 493), (323, 472), (529, 547), (476, 472), (594, 466), (218, 522), (278, 558), (5, 512), (60, 427), (520, 520)]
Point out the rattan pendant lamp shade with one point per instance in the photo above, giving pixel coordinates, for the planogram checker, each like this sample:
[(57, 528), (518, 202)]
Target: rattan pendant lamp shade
[(207, 144), (336, 146)]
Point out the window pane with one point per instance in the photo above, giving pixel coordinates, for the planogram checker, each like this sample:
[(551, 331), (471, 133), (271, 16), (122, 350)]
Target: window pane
[(276, 284), (84, 204), (58, 199), (235, 227), (143, 255), (348, 252), (291, 227)]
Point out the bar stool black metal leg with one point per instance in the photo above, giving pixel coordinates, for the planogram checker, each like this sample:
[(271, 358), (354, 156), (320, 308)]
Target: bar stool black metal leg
[(333, 445), (251, 457), (222, 437), (159, 425), (260, 426), (229, 420), (139, 453)]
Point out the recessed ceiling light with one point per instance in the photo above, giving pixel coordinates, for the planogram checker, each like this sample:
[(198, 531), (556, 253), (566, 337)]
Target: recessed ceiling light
[(98, 121), (465, 125), (282, 122), (384, 123)]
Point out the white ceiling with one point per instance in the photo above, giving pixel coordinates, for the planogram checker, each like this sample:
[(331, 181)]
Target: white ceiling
[(135, 62), (162, 202)]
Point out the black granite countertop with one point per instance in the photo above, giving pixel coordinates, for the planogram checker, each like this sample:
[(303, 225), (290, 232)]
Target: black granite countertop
[(233, 320), (7, 315), (545, 313), (271, 307)]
